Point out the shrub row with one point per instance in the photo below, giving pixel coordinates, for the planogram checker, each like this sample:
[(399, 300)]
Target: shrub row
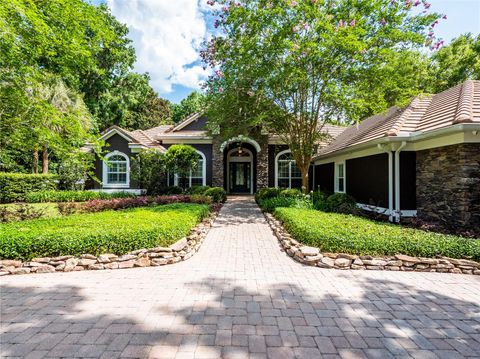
[(342, 233), (72, 196), (96, 233), (15, 186)]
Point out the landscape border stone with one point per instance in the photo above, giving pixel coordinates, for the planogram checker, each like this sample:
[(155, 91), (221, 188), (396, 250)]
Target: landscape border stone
[(399, 262), (181, 250)]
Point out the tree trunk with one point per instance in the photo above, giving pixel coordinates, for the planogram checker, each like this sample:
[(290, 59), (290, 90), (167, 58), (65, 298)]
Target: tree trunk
[(304, 172), (45, 159), (35, 161)]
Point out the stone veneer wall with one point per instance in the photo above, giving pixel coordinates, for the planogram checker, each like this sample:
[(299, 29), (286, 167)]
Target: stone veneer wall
[(217, 162), (262, 162), (448, 186)]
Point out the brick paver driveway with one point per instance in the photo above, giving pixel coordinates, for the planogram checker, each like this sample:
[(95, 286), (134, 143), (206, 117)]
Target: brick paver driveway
[(240, 297)]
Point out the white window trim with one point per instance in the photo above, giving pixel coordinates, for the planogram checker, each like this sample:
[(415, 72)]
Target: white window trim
[(337, 190), (290, 169), (105, 183), (204, 172)]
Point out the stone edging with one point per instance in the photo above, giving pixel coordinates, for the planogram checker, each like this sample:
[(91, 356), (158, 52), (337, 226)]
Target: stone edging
[(312, 256), (151, 257)]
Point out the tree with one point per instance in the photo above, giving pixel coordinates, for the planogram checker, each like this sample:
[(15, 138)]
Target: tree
[(455, 63), (191, 104), (292, 66), (180, 160), (148, 170)]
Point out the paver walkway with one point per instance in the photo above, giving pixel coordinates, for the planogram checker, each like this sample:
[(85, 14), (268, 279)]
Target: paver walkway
[(240, 297)]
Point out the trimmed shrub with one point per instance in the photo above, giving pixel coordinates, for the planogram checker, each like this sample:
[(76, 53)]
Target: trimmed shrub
[(96, 233), (15, 186), (290, 193), (173, 190), (343, 233), (198, 189), (73, 196), (218, 194), (319, 200), (269, 204), (266, 193), (341, 203)]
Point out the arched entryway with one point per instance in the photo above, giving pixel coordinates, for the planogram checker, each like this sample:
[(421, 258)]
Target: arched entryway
[(240, 168)]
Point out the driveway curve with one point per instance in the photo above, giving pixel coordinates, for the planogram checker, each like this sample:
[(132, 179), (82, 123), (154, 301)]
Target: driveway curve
[(240, 296)]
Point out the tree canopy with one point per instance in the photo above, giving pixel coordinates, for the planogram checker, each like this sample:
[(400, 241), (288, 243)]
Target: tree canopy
[(194, 102), (292, 66)]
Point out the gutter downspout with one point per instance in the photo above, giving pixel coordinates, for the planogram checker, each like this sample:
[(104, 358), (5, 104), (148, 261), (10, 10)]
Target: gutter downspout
[(397, 181), (390, 183)]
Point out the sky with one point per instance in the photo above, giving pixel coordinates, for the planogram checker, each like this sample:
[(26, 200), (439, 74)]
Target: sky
[(167, 35)]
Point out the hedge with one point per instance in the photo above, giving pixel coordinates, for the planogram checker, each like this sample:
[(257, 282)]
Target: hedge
[(15, 186), (342, 233), (72, 196), (105, 232)]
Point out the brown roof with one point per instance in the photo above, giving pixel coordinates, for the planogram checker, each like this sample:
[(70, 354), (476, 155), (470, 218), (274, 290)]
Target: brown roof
[(144, 139), (459, 104)]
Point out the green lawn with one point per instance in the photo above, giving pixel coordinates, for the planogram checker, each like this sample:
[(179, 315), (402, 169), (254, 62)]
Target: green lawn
[(50, 209), (333, 232), (103, 232)]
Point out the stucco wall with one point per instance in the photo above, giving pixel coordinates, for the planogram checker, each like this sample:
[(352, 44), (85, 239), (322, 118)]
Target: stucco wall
[(448, 186)]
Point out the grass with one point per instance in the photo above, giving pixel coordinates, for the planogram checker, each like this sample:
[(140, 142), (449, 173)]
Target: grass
[(104, 232), (50, 209), (340, 233)]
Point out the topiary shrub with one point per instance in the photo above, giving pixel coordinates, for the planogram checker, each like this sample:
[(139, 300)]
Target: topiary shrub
[(270, 204), (15, 186), (341, 203), (198, 189), (218, 194), (73, 196), (290, 193), (266, 193)]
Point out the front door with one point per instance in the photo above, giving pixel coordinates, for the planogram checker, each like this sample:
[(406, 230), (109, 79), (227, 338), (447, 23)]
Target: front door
[(240, 177)]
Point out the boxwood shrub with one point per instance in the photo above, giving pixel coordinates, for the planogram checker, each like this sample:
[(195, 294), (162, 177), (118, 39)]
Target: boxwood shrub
[(218, 194), (335, 232), (103, 232), (73, 196), (15, 186)]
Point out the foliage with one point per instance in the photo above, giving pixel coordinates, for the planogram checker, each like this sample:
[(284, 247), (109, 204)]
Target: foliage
[(340, 202), (341, 233), (319, 200), (96, 233), (218, 194), (20, 212), (148, 170), (455, 63), (171, 190), (191, 104), (266, 193), (198, 189), (73, 171), (15, 186), (67, 208), (291, 193), (292, 66), (270, 204), (181, 159), (72, 196)]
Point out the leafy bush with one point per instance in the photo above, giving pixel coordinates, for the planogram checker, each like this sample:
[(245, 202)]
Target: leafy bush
[(341, 203), (334, 232), (67, 208), (20, 212), (319, 200), (291, 193), (96, 233), (172, 190), (270, 204), (15, 186), (218, 194), (198, 189), (148, 170), (73, 196), (266, 193), (201, 199)]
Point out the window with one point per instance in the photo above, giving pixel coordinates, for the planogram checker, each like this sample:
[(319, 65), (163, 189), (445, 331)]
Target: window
[(116, 170), (340, 177), (196, 177), (288, 174)]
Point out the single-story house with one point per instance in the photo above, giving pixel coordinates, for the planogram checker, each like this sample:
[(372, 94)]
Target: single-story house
[(421, 160)]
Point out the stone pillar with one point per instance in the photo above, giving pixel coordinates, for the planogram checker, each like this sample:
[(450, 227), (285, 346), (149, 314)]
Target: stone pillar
[(262, 162), (217, 163), (448, 186)]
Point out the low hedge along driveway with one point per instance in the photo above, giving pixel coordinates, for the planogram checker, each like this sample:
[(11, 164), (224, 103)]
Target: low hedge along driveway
[(105, 232), (340, 233)]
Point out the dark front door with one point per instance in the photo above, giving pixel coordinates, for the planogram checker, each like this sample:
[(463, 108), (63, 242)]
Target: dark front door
[(240, 177)]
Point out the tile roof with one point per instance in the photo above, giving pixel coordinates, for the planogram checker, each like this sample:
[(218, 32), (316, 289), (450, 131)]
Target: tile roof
[(459, 104)]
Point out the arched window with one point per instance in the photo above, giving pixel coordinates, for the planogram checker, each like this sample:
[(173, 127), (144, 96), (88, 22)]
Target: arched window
[(287, 173), (116, 168), (197, 176)]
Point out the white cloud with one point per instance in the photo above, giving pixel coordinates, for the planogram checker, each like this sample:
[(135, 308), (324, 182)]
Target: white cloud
[(167, 35)]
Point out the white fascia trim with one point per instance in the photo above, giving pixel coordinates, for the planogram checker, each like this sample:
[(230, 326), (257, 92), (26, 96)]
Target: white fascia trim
[(386, 211), (112, 132), (186, 122)]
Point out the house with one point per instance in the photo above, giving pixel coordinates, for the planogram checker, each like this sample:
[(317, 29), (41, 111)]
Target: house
[(421, 160), (240, 164)]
